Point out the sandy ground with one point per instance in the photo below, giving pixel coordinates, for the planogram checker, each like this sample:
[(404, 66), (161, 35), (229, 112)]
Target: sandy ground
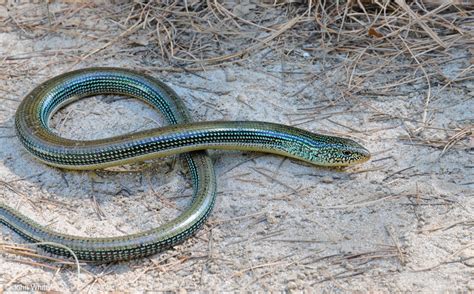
[(400, 222)]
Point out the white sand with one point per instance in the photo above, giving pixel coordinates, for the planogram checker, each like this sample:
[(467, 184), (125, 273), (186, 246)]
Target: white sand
[(401, 222)]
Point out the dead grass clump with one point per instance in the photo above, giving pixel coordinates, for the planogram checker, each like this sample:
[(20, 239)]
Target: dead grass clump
[(206, 32)]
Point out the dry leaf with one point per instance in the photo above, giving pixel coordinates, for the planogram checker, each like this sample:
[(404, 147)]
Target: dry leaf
[(374, 33)]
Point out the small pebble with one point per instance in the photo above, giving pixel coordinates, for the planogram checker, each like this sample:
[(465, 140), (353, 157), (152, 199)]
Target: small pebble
[(271, 219), (242, 98), (292, 286), (301, 276), (327, 180)]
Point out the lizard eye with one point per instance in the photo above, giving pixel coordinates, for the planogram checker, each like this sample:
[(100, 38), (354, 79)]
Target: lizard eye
[(346, 152)]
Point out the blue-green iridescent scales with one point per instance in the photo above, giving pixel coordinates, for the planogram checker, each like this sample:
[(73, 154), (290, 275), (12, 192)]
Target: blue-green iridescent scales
[(181, 136)]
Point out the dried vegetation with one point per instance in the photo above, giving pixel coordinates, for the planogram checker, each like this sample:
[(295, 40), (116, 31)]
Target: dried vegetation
[(380, 47)]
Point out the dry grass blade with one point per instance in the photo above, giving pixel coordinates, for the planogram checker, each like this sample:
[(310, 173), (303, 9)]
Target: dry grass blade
[(395, 75), (464, 133), (23, 251), (447, 259), (417, 19)]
